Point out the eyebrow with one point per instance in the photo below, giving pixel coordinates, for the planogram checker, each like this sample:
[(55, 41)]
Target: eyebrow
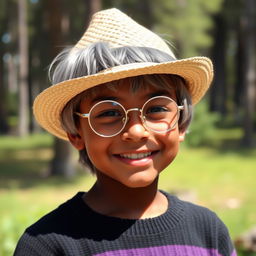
[(147, 96), (101, 98), (159, 93)]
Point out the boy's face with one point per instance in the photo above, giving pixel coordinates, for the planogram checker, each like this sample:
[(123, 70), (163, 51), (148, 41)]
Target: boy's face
[(136, 156)]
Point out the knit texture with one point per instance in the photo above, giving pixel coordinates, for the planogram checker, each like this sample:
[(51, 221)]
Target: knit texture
[(75, 229)]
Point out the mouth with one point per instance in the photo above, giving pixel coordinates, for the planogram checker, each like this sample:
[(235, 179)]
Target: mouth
[(137, 159), (136, 156)]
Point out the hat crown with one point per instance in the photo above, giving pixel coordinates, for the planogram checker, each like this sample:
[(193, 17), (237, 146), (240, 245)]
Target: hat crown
[(118, 29)]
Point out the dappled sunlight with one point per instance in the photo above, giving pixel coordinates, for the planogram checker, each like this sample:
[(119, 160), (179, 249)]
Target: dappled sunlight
[(222, 180)]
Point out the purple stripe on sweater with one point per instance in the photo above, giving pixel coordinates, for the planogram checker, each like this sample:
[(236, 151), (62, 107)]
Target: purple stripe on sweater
[(177, 250), (234, 253)]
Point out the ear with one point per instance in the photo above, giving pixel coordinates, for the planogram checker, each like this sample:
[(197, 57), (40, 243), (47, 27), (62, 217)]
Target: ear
[(182, 136), (76, 141)]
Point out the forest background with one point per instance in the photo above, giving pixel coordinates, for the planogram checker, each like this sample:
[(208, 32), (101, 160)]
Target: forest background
[(221, 139)]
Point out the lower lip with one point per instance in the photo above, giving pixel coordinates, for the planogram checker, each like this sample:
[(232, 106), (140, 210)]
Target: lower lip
[(137, 162)]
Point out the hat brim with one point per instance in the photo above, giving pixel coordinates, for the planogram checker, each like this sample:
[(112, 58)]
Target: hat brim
[(197, 72)]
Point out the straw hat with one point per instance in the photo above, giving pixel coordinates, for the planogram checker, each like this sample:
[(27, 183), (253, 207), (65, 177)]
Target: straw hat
[(118, 30)]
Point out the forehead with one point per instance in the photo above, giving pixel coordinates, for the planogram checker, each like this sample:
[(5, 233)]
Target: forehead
[(134, 85)]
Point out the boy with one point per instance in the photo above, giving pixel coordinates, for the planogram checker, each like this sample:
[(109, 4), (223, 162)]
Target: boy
[(123, 100)]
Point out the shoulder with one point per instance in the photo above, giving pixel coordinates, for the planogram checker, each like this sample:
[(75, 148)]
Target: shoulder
[(195, 211), (206, 226), (45, 235), (204, 216), (60, 219), (191, 210), (33, 245), (199, 218)]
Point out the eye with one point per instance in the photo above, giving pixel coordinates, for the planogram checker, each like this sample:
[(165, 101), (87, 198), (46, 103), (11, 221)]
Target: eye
[(109, 113), (156, 109), (157, 113)]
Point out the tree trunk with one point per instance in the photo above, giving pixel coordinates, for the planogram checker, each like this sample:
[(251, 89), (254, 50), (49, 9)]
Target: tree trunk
[(92, 6), (142, 11), (23, 69), (239, 75), (145, 7), (4, 127), (219, 88), (250, 75), (39, 57), (61, 164)]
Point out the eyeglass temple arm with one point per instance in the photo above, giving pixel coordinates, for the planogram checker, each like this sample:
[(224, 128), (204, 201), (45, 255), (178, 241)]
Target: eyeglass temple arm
[(181, 107), (82, 115)]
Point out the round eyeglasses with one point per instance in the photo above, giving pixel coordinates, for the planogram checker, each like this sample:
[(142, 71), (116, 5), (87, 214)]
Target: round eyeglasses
[(108, 118)]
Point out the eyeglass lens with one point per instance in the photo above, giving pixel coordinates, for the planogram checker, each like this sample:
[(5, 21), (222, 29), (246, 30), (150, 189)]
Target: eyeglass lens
[(108, 118)]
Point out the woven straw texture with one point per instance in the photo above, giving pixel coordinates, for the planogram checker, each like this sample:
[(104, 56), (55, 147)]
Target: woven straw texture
[(119, 30)]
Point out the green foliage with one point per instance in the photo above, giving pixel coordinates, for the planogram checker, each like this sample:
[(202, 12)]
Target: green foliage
[(15, 216), (2, 9), (203, 128), (216, 176), (7, 236), (245, 253), (32, 142), (11, 228), (188, 22), (13, 103)]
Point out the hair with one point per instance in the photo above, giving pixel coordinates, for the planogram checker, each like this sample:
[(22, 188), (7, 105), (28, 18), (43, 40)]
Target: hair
[(75, 62)]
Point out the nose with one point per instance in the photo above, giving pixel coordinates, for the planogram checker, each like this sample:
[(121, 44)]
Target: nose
[(134, 129)]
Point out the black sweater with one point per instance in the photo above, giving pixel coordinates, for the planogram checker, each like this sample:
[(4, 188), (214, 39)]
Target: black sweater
[(75, 229)]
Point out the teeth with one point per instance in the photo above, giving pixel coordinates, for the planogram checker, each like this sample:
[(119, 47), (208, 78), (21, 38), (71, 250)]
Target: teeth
[(136, 156)]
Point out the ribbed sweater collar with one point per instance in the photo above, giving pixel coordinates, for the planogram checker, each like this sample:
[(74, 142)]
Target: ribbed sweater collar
[(139, 227)]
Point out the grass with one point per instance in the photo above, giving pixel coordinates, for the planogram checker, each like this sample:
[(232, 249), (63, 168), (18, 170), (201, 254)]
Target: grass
[(221, 178), (223, 182)]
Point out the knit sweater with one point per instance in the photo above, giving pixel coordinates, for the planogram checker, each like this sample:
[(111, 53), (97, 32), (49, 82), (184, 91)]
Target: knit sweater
[(75, 229)]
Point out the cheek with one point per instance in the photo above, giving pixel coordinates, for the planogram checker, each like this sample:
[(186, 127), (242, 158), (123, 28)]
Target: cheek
[(89, 138), (171, 147), (97, 149), (87, 133)]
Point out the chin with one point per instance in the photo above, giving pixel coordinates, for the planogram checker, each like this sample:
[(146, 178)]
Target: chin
[(139, 183)]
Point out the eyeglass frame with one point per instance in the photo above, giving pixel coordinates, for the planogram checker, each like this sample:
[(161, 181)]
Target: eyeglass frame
[(126, 117)]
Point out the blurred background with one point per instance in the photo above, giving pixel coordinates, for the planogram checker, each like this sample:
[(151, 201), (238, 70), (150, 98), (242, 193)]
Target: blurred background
[(216, 166)]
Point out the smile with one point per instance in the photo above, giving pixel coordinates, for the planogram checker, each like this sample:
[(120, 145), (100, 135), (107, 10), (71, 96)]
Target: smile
[(136, 156)]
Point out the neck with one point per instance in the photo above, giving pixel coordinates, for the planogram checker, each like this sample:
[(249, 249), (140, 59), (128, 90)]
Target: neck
[(115, 199)]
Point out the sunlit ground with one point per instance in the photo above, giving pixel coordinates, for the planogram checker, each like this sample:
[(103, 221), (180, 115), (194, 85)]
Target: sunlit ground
[(220, 179)]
